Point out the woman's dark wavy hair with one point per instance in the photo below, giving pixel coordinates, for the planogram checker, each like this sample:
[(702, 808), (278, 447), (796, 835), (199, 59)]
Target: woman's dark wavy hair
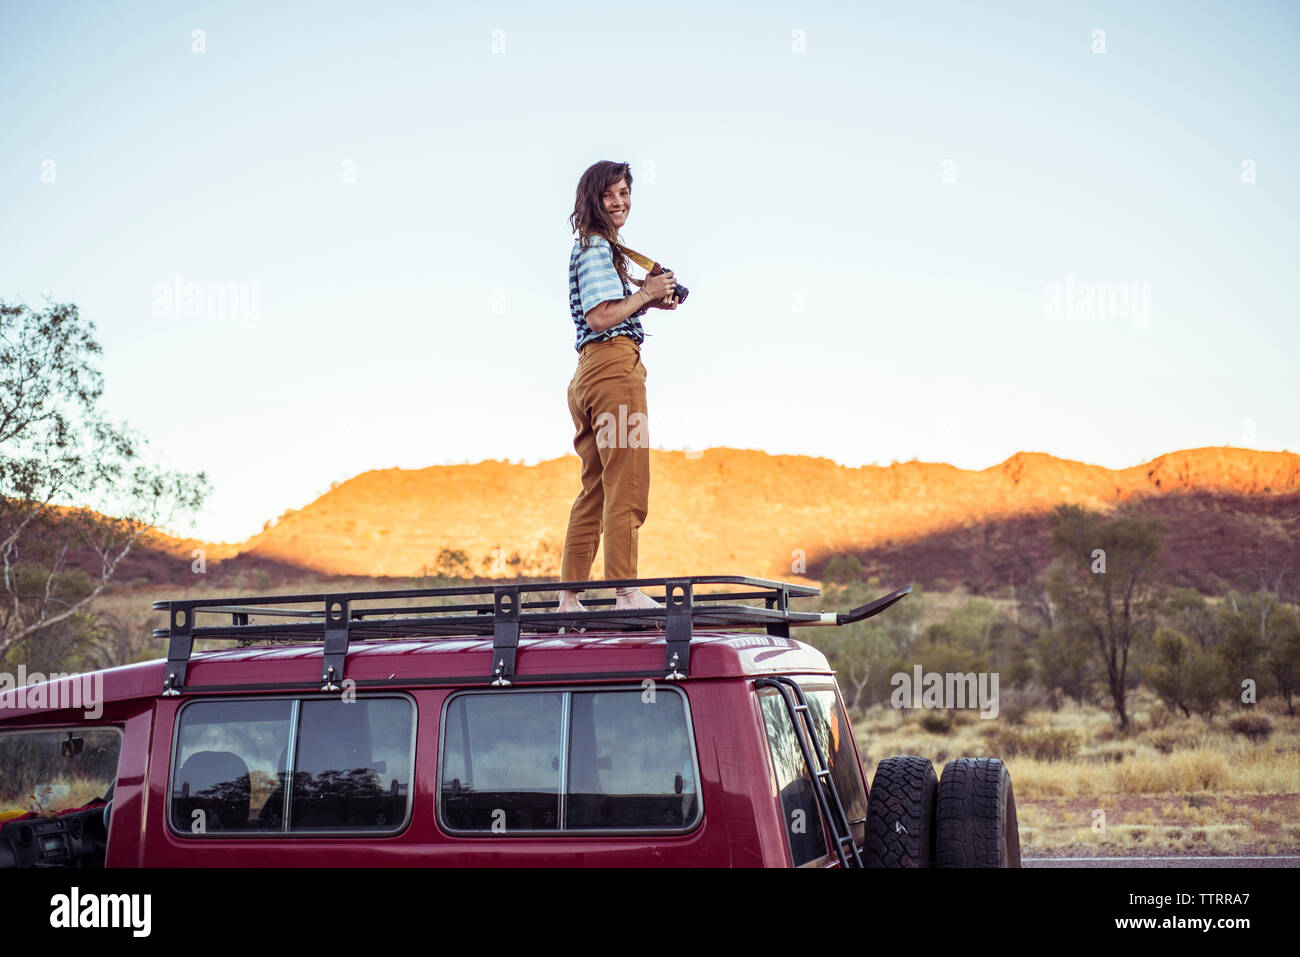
[(589, 217)]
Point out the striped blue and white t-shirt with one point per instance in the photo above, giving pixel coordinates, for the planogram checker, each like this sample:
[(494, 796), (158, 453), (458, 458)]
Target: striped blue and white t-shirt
[(593, 280)]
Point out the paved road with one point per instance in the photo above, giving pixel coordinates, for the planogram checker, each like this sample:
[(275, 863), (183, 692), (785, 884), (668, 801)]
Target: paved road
[(1207, 862)]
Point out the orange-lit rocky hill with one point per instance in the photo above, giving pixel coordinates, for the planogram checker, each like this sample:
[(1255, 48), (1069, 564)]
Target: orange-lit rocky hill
[(1232, 515)]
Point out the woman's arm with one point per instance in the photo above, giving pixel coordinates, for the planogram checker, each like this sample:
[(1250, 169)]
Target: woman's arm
[(613, 311)]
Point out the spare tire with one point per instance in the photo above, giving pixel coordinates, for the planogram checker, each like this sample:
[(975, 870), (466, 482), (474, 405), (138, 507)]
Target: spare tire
[(976, 818), (900, 814)]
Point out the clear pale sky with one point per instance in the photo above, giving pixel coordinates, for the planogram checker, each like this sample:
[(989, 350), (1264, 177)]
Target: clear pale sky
[(870, 228)]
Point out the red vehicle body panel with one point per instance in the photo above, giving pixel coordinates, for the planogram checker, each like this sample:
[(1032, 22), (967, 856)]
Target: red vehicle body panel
[(741, 823)]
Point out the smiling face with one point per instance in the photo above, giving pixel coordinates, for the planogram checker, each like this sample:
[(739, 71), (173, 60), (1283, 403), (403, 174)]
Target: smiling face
[(618, 202)]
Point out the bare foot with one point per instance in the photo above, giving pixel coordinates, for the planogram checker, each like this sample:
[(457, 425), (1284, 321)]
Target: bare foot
[(569, 602), (635, 598)]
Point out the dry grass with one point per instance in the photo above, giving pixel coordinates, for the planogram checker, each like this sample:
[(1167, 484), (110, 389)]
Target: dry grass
[(1150, 824), (1168, 784)]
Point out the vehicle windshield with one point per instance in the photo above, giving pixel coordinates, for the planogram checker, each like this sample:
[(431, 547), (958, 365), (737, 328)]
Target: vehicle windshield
[(47, 772)]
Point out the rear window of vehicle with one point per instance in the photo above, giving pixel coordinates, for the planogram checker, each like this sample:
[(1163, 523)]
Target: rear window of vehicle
[(247, 767), (611, 760), (836, 734), (794, 781)]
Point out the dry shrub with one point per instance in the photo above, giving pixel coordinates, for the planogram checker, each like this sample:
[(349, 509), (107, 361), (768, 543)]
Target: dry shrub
[(1158, 718), (1003, 743), (1039, 779), (1110, 754), (1256, 727), (936, 722), (1183, 771), (1168, 740), (1107, 732), (1015, 703), (1042, 744)]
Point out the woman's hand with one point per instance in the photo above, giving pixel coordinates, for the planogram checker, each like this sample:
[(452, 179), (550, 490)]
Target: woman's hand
[(659, 286), (667, 302)]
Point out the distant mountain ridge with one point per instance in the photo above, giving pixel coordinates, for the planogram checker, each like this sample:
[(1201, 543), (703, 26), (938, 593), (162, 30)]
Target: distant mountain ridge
[(1231, 514)]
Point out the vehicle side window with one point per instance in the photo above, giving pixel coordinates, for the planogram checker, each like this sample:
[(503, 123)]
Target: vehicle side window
[(803, 823), (226, 762), (350, 765), (630, 762), (501, 762), (530, 761)]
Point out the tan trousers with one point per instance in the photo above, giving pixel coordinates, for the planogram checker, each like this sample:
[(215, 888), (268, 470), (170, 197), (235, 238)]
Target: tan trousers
[(608, 404)]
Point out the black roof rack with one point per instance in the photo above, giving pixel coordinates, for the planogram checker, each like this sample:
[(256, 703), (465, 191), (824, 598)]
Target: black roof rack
[(505, 617)]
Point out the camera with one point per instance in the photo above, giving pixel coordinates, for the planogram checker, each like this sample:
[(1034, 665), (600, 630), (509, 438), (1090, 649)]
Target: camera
[(680, 292)]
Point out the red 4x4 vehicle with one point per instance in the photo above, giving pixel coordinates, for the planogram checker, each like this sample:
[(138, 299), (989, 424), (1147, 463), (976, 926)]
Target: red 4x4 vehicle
[(422, 727)]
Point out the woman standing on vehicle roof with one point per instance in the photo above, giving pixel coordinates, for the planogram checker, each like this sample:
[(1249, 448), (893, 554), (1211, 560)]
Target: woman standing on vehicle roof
[(607, 398)]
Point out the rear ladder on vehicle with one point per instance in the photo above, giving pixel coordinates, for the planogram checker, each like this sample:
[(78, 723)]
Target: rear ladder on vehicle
[(828, 795)]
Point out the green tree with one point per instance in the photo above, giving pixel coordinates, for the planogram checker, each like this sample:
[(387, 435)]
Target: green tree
[(940, 652), (1103, 580), (972, 625), (843, 570), (867, 653), (1247, 623), (1206, 683), (72, 483), (1065, 660), (1188, 613), (1167, 673), (863, 657), (62, 645), (1283, 653)]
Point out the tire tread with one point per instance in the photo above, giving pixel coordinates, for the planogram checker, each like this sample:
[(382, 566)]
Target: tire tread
[(973, 815), (903, 792)]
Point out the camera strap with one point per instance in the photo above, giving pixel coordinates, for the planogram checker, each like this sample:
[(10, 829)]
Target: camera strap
[(651, 267)]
